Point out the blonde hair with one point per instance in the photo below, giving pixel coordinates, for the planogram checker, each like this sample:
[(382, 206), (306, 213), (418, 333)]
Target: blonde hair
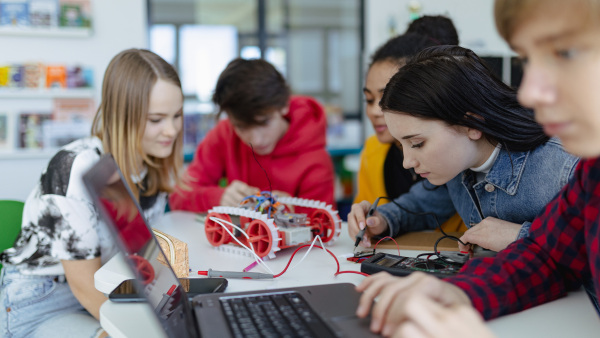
[(510, 13), (120, 121)]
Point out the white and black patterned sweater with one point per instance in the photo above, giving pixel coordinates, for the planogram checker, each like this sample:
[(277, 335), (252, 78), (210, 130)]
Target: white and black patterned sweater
[(60, 221)]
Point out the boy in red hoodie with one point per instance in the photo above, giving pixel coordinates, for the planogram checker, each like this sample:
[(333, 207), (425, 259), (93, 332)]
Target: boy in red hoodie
[(285, 133)]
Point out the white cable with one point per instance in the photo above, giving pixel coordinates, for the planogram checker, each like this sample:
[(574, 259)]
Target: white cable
[(217, 220), (311, 246), (236, 227)]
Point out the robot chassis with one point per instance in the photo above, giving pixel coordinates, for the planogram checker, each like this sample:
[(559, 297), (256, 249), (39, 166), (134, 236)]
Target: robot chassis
[(270, 226)]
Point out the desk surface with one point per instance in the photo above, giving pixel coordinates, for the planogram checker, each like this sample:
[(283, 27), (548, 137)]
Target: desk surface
[(572, 315)]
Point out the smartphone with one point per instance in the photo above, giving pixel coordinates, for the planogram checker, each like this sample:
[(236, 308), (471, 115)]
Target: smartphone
[(126, 291)]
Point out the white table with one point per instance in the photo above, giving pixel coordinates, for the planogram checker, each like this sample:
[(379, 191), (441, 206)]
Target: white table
[(570, 316)]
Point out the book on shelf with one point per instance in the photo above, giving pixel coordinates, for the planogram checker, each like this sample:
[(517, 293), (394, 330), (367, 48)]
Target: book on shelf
[(56, 76), (14, 13), (75, 13), (4, 70), (73, 110), (79, 77), (7, 128), (43, 13), (30, 130), (34, 75), (16, 73)]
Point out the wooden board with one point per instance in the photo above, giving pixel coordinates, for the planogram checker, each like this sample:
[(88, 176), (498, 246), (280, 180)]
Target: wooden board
[(421, 241)]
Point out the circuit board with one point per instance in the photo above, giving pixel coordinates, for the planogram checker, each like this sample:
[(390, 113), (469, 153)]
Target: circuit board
[(402, 266)]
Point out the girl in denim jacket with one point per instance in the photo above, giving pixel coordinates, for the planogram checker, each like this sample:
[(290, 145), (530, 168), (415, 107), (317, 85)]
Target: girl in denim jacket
[(482, 153)]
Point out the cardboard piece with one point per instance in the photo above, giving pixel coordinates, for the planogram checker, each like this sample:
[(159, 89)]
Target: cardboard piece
[(421, 241)]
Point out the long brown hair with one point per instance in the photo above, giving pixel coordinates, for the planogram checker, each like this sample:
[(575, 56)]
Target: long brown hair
[(120, 121)]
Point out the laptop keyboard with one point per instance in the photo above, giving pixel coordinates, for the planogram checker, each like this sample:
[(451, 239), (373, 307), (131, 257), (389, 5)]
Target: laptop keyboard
[(276, 315)]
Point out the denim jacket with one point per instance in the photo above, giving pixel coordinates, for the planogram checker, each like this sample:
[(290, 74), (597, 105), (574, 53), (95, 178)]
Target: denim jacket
[(516, 189)]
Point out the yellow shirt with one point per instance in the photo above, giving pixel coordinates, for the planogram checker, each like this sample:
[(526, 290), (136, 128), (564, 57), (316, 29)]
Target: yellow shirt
[(371, 179)]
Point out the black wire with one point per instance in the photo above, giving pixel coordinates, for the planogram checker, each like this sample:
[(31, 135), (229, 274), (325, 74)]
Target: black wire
[(429, 213)]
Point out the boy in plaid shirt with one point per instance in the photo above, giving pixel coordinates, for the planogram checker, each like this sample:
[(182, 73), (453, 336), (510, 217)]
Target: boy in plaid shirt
[(560, 49)]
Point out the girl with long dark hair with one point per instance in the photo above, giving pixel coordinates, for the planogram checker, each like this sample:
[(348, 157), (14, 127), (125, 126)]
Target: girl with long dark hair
[(482, 153)]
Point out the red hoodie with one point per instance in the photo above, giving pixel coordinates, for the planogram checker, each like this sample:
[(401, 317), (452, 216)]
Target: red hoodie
[(299, 165)]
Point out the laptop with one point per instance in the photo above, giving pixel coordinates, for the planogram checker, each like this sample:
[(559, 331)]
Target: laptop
[(310, 311)]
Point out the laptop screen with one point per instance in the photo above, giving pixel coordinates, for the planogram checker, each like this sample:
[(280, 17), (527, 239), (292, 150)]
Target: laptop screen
[(155, 279)]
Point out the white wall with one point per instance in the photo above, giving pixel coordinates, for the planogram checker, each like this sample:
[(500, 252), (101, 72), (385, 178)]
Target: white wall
[(117, 25), (474, 21)]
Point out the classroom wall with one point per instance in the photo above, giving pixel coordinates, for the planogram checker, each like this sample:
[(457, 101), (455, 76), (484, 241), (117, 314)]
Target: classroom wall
[(474, 21), (122, 24), (117, 25)]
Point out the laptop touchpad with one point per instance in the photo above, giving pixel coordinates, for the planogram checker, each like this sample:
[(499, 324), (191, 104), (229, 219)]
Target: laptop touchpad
[(353, 326)]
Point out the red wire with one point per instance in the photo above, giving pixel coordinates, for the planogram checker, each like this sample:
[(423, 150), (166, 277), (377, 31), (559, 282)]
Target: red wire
[(397, 246), (332, 255)]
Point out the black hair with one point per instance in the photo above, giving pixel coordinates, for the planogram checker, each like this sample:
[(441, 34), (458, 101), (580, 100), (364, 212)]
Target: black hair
[(436, 27), (400, 48), (453, 84), (247, 89)]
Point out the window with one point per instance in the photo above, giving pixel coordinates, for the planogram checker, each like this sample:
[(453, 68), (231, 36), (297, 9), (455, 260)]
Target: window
[(314, 43)]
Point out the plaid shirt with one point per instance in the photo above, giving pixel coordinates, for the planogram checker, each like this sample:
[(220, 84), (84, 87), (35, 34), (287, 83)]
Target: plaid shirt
[(560, 254)]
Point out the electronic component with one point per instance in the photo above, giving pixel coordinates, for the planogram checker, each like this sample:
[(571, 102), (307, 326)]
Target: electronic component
[(296, 235), (402, 266), (361, 256), (290, 220), (367, 253), (455, 257)]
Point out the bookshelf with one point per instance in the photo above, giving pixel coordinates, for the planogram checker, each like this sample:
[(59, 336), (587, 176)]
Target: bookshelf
[(42, 94), (42, 98), (43, 106), (58, 32), (92, 48)]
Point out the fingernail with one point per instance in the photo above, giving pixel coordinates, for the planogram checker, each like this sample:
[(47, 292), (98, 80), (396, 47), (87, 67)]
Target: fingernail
[(374, 324), (387, 330), (359, 310), (370, 222), (361, 225)]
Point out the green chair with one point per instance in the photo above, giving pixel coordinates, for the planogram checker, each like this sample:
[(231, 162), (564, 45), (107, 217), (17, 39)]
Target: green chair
[(11, 214)]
